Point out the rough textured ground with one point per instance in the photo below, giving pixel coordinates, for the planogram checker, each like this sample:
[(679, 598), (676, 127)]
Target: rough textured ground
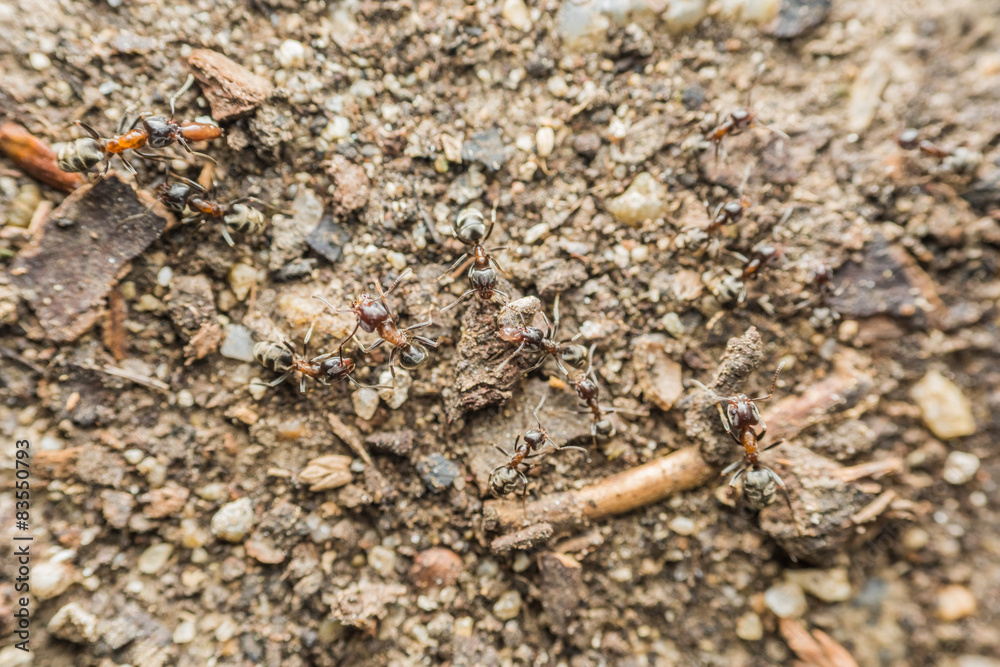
[(385, 120)]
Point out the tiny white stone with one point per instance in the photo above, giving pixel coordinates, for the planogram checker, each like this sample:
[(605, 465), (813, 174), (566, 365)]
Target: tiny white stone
[(39, 61), (155, 558), (238, 343), (536, 232), (184, 633), (558, 86), (365, 403), (291, 53), (164, 276), (960, 468), (545, 139)]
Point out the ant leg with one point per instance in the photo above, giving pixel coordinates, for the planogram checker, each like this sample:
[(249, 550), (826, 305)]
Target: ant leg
[(374, 346), (392, 365), (497, 447), (507, 360), (393, 285), (421, 325), (274, 383), (305, 341), (89, 130), (736, 478), (493, 219), (226, 235), (539, 407), (454, 266), (781, 485), (729, 468), (459, 300), (541, 360), (183, 89), (504, 301), (555, 317), (426, 341), (497, 264)]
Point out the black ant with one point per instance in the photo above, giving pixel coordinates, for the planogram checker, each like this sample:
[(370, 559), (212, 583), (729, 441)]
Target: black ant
[(909, 139), (739, 418), (281, 358), (373, 316), (535, 339), (739, 120), (504, 478), (471, 229), (587, 390), (152, 131), (235, 215)]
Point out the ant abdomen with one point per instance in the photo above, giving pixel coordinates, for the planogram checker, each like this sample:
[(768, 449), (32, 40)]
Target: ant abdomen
[(470, 226), (604, 429), (574, 355), (80, 155), (412, 356), (245, 219), (273, 356)]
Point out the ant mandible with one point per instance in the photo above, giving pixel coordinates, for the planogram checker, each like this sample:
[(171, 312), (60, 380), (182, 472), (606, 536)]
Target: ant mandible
[(153, 131), (504, 478), (535, 339), (235, 215), (739, 120), (281, 358), (739, 419), (471, 229), (373, 316)]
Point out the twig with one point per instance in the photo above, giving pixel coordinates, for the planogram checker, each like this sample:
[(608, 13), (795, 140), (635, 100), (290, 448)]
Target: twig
[(145, 380), (624, 492), (873, 469), (350, 436)]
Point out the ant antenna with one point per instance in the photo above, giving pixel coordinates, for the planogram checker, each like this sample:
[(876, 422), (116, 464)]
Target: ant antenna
[(184, 89)]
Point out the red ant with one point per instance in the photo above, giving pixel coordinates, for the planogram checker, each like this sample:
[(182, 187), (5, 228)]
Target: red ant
[(281, 358), (236, 214), (739, 418), (470, 228), (153, 131), (373, 316), (739, 120), (504, 478), (540, 341)]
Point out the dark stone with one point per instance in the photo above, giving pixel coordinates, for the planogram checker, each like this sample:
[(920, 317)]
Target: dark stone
[(486, 148), (298, 268), (437, 472), (328, 239), (797, 17)]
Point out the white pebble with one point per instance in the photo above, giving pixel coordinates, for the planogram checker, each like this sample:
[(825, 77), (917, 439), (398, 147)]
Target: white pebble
[(382, 560), (643, 200), (960, 468), (640, 254), (184, 633), (155, 558), (338, 128), (185, 398), (545, 139), (517, 14), (397, 259), (536, 232), (238, 343), (241, 279), (682, 526), (684, 14), (291, 54), (558, 86), (49, 579), (749, 627), (398, 391), (786, 600), (39, 61), (234, 520), (944, 407), (365, 403), (508, 606), (164, 276)]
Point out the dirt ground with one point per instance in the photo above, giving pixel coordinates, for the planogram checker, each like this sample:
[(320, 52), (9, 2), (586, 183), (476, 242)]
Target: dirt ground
[(182, 517)]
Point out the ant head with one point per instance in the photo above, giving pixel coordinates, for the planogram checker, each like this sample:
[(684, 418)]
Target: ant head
[(503, 480), (175, 195), (335, 368), (741, 412), (470, 226), (161, 132), (370, 312), (535, 438), (412, 356)]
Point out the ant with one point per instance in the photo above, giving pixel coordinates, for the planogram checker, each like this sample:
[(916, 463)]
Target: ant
[(471, 229), (734, 285), (739, 120), (373, 316), (540, 341), (727, 213), (504, 478), (739, 418), (153, 131), (587, 389), (281, 358), (235, 215), (909, 139)]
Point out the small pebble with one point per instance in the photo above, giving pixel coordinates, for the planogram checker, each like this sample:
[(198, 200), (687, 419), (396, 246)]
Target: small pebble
[(682, 526), (241, 279), (545, 140), (643, 200), (154, 558), (786, 600), (749, 627), (49, 579), (397, 259), (338, 128), (916, 538), (828, 585), (164, 275), (39, 61), (436, 567), (944, 408), (233, 521), (184, 633), (437, 472), (291, 54), (382, 560), (535, 232), (684, 15), (396, 395), (185, 398), (365, 402), (955, 602), (517, 14), (508, 606), (558, 87), (74, 624), (238, 343), (960, 468)]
